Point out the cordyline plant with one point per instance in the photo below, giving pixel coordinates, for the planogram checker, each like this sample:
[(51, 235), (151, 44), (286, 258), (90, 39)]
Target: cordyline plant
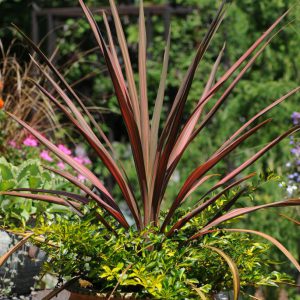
[(156, 152)]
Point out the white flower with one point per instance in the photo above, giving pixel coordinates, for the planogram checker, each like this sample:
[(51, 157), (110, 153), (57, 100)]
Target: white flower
[(291, 188)]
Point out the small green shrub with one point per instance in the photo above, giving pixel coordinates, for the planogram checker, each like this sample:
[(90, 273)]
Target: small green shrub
[(16, 211), (148, 264)]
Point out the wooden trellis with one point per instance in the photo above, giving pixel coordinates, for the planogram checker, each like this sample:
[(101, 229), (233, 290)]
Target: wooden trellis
[(54, 16)]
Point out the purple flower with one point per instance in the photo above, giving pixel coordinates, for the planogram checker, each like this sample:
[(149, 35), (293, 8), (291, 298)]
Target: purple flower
[(296, 117), (30, 141), (296, 151), (45, 155), (64, 149)]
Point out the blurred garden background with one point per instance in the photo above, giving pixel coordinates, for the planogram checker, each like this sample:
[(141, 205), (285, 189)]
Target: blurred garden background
[(65, 36)]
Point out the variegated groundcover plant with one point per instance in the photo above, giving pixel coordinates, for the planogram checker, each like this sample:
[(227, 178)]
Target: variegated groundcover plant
[(175, 254)]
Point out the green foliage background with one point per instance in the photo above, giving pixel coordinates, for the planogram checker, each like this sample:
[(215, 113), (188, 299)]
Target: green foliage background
[(274, 73)]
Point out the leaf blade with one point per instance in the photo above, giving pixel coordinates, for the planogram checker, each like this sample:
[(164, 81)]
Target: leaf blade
[(233, 268), (12, 250)]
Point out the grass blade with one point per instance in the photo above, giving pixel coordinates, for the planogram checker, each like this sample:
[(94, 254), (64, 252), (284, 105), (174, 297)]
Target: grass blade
[(171, 129), (181, 97), (63, 81), (131, 125), (273, 241), (66, 158), (290, 219), (132, 101), (176, 157), (114, 55), (123, 45), (88, 192), (250, 50), (227, 92), (5, 257), (46, 198), (145, 126), (242, 211), (259, 114), (69, 195), (105, 157), (79, 168), (202, 169), (79, 184), (181, 222), (267, 237), (233, 268), (191, 123), (159, 102), (255, 157)]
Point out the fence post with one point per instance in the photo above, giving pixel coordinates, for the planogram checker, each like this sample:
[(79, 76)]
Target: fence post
[(34, 23)]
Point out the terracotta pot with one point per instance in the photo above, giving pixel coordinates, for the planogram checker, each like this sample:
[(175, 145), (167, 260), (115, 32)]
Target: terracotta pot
[(67, 295), (79, 293)]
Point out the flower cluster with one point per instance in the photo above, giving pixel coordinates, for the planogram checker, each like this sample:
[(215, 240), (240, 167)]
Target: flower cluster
[(79, 153), (294, 165)]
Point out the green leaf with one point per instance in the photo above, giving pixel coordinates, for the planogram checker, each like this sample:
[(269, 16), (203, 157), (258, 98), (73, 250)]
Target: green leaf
[(6, 185)]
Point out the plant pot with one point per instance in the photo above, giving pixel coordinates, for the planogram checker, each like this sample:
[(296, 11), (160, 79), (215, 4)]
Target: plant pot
[(67, 295), (78, 296), (79, 293)]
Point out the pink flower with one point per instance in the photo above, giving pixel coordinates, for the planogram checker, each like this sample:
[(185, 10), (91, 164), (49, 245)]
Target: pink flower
[(78, 159), (81, 177), (31, 141), (45, 155), (13, 144), (61, 165), (64, 149), (83, 160), (86, 160)]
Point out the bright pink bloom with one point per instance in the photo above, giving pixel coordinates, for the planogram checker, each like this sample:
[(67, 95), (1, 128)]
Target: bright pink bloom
[(45, 155), (31, 141), (64, 149), (61, 165)]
